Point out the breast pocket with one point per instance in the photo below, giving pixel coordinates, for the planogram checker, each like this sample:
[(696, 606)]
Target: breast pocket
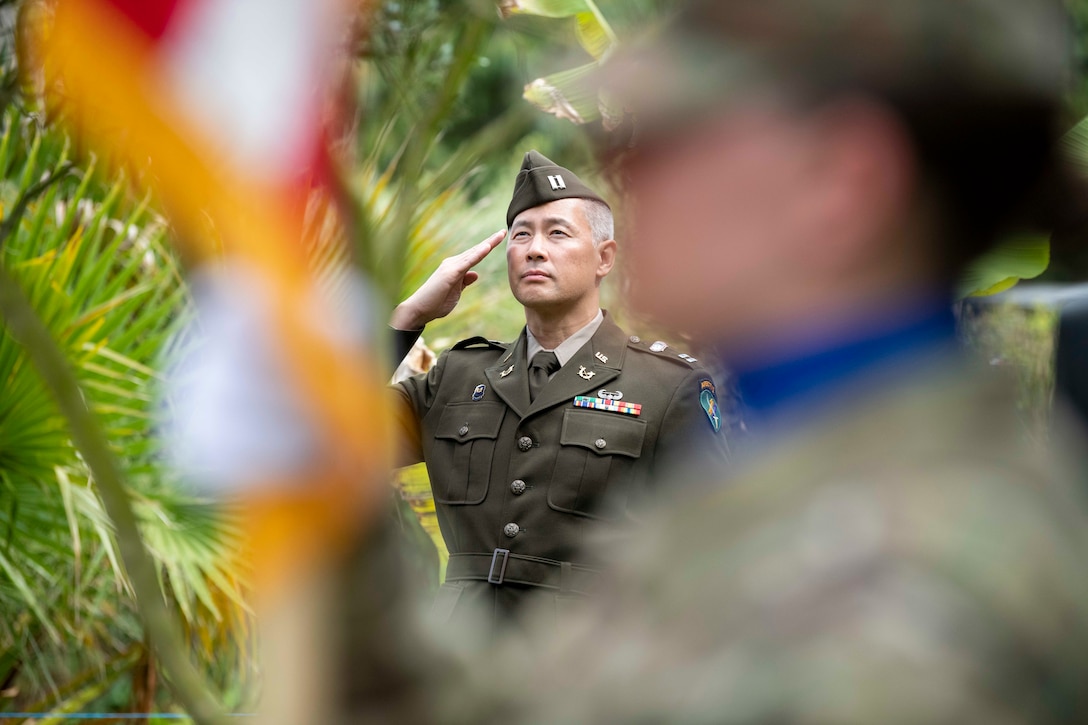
[(596, 460), (464, 444)]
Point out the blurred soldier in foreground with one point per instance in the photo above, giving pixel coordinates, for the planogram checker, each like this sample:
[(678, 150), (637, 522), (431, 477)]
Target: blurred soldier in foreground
[(808, 179)]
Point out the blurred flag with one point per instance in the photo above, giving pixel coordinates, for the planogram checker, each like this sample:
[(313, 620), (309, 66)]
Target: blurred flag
[(218, 105)]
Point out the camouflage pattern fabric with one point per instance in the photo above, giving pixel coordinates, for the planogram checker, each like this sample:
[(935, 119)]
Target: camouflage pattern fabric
[(953, 54), (909, 558)]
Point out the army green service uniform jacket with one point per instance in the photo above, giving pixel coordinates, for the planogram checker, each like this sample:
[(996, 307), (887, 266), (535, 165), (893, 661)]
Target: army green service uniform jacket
[(519, 486)]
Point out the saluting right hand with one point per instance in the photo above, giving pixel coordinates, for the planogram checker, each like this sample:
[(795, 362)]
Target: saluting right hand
[(441, 292)]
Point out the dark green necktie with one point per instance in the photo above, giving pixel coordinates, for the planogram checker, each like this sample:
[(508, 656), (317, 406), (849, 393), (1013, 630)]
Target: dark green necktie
[(543, 365)]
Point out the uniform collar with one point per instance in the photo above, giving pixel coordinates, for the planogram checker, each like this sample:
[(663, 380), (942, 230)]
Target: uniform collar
[(596, 362), (566, 349), (816, 370)]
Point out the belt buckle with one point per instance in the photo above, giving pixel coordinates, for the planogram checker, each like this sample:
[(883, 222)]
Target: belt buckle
[(491, 577)]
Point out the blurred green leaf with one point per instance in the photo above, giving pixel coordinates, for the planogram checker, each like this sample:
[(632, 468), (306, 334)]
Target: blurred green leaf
[(594, 32), (566, 94), (1017, 258), (95, 267), (1075, 143), (86, 687)]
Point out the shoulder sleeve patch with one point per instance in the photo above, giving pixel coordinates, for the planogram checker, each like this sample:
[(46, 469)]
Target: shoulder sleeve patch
[(708, 399), (478, 343)]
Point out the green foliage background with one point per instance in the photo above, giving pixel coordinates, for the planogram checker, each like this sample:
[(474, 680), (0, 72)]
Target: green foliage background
[(94, 264)]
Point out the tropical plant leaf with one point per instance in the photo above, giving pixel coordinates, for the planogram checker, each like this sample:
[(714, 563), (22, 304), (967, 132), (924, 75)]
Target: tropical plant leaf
[(16, 576), (95, 268), (565, 95), (594, 33), (65, 485), (1075, 143), (87, 687), (544, 8), (1017, 258)]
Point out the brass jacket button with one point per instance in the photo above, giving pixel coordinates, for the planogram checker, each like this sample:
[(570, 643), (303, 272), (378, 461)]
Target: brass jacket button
[(518, 487), (600, 443), (463, 431), (511, 530), (525, 443)]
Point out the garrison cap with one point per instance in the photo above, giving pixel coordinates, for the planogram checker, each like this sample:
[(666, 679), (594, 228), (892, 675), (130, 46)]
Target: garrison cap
[(540, 181), (959, 50)]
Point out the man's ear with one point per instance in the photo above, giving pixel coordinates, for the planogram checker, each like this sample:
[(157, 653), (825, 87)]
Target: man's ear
[(606, 253)]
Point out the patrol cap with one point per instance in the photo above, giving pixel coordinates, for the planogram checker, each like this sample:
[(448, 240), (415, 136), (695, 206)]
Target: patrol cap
[(954, 50), (540, 181)]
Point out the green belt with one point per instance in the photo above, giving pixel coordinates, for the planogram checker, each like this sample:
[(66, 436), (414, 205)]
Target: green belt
[(502, 567)]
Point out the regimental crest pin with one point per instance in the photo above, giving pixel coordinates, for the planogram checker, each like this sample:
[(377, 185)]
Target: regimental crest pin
[(585, 374), (506, 372), (478, 393), (601, 356), (708, 399)]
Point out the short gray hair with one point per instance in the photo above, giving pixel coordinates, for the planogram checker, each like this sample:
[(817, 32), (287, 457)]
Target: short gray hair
[(601, 223)]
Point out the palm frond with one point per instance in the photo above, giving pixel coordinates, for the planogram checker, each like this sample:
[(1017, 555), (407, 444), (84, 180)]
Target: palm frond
[(96, 269)]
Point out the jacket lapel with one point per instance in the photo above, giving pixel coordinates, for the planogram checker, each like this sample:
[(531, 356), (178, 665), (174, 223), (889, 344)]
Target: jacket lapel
[(596, 363), (513, 387)]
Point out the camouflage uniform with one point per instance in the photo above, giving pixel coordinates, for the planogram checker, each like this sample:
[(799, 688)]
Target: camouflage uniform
[(908, 558)]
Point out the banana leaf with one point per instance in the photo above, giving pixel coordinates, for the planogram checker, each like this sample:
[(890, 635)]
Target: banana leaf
[(1017, 258)]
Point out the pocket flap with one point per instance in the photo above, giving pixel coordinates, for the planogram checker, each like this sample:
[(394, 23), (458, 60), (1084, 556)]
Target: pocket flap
[(469, 421), (606, 434)]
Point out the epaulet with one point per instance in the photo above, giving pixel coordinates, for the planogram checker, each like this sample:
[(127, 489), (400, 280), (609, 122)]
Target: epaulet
[(661, 349), (479, 343)]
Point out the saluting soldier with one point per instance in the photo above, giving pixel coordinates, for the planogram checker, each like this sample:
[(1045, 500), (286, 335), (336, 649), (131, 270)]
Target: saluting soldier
[(892, 549), (531, 445)]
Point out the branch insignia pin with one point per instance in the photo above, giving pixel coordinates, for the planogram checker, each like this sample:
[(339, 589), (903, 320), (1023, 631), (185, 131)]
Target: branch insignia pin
[(585, 374), (506, 372)]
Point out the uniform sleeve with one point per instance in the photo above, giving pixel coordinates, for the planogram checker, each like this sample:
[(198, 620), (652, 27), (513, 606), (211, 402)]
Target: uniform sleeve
[(693, 430), (402, 344), (412, 399)]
